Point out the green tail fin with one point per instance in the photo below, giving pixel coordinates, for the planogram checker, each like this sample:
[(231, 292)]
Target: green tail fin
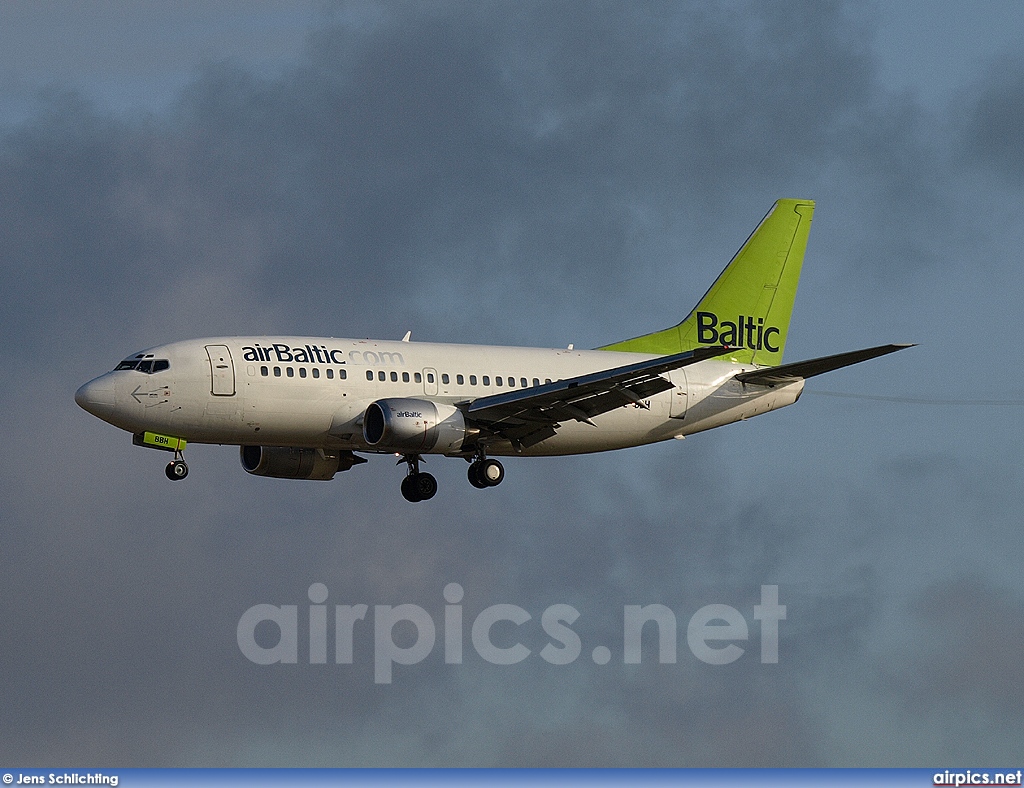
[(750, 304)]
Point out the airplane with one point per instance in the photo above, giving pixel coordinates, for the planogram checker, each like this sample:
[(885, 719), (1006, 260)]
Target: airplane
[(302, 407)]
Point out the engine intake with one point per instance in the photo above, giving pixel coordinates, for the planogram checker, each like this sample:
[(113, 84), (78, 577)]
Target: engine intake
[(285, 463), (413, 425)]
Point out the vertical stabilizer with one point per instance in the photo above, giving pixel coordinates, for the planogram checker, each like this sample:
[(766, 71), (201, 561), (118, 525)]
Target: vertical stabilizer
[(750, 304)]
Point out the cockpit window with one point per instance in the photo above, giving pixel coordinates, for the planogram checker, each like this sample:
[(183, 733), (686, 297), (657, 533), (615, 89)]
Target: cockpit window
[(148, 366)]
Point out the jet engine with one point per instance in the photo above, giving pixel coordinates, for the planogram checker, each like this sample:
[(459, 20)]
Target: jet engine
[(413, 426), (287, 463)]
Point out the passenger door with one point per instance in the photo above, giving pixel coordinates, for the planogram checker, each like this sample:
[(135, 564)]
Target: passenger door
[(222, 371)]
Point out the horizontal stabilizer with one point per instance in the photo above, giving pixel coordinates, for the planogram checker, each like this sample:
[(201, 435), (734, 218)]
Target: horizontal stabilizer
[(815, 366)]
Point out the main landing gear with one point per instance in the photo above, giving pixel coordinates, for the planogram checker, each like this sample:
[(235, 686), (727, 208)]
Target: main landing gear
[(176, 469), (417, 486)]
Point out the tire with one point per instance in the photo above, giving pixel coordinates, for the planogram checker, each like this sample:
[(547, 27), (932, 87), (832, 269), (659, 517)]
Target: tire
[(176, 470), (409, 491), (474, 476)]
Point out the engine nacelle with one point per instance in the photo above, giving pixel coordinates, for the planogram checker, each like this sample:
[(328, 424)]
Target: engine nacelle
[(285, 463), (413, 425)]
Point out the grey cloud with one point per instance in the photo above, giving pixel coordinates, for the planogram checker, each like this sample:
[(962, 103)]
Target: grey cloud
[(993, 121), (514, 152), (972, 635)]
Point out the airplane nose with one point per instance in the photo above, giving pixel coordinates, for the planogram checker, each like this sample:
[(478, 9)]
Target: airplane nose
[(97, 397)]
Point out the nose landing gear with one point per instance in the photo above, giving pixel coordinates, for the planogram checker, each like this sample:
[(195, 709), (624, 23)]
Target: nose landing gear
[(176, 469), (417, 486)]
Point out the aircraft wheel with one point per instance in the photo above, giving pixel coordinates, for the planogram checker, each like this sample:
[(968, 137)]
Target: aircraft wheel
[(419, 487), (425, 486), (491, 473), (474, 476), (409, 490), (176, 470)]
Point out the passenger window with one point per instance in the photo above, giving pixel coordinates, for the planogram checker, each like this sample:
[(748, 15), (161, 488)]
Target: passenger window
[(342, 374), (536, 382), (430, 377), (460, 380), (330, 374), (316, 372), (381, 375), (417, 377), (289, 371), (302, 372), (444, 378), (472, 380), (547, 380), (277, 372), (497, 381), (369, 374), (394, 377), (523, 382), (405, 377), (487, 380), (264, 371), (511, 383)]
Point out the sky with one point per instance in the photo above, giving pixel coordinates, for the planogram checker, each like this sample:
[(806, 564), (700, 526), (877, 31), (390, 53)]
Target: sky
[(529, 174)]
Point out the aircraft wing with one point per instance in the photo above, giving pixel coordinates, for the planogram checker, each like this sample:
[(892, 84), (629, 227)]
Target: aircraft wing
[(528, 416), (816, 366)]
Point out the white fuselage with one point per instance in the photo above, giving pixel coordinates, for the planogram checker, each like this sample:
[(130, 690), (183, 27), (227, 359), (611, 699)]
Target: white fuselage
[(312, 392)]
